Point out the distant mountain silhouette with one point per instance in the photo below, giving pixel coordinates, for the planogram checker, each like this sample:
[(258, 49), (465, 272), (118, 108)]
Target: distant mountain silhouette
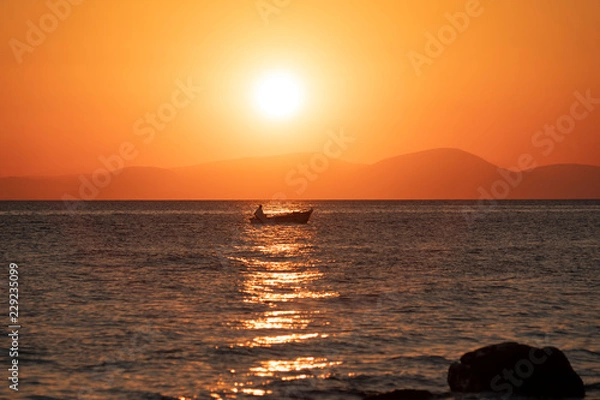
[(556, 181), (432, 174)]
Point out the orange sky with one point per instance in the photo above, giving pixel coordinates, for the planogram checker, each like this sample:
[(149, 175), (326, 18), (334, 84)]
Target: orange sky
[(77, 93)]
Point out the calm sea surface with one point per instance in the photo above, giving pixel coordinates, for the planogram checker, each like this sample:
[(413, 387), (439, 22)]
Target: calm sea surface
[(128, 300)]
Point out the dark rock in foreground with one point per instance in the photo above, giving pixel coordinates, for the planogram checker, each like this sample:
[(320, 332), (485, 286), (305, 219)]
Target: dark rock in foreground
[(405, 394), (516, 369)]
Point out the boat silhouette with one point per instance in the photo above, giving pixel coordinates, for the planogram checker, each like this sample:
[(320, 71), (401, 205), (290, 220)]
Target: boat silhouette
[(295, 217)]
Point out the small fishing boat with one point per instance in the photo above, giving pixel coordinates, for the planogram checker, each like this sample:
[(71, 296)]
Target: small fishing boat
[(296, 217)]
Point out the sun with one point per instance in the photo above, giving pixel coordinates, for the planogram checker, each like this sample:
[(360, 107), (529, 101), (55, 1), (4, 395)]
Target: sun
[(278, 95)]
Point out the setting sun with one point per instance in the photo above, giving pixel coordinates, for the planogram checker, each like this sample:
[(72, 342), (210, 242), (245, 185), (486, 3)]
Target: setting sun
[(278, 95)]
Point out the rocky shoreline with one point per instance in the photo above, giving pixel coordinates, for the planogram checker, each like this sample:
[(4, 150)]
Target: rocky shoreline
[(505, 369)]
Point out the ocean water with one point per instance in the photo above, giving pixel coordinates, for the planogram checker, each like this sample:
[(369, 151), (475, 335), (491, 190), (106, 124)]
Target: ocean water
[(137, 300)]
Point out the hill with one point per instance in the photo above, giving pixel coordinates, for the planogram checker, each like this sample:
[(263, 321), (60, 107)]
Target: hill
[(432, 174)]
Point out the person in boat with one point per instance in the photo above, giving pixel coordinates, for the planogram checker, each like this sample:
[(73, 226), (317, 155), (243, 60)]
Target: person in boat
[(260, 214)]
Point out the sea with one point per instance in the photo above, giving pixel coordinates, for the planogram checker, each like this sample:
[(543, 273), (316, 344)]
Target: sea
[(188, 300)]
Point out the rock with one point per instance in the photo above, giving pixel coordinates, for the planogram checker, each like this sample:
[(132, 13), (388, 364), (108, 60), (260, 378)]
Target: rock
[(516, 369), (404, 394)]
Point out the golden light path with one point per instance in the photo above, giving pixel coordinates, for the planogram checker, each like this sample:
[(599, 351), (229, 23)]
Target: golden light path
[(278, 282), (278, 320), (282, 277), (269, 368)]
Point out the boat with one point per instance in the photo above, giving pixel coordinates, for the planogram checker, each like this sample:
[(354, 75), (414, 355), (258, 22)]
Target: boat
[(295, 217)]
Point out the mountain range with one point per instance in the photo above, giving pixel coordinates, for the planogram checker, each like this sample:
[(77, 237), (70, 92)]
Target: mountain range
[(431, 174)]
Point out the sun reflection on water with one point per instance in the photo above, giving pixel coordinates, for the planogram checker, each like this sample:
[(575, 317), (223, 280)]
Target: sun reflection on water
[(266, 341), (276, 282), (271, 367), (282, 276), (279, 320)]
